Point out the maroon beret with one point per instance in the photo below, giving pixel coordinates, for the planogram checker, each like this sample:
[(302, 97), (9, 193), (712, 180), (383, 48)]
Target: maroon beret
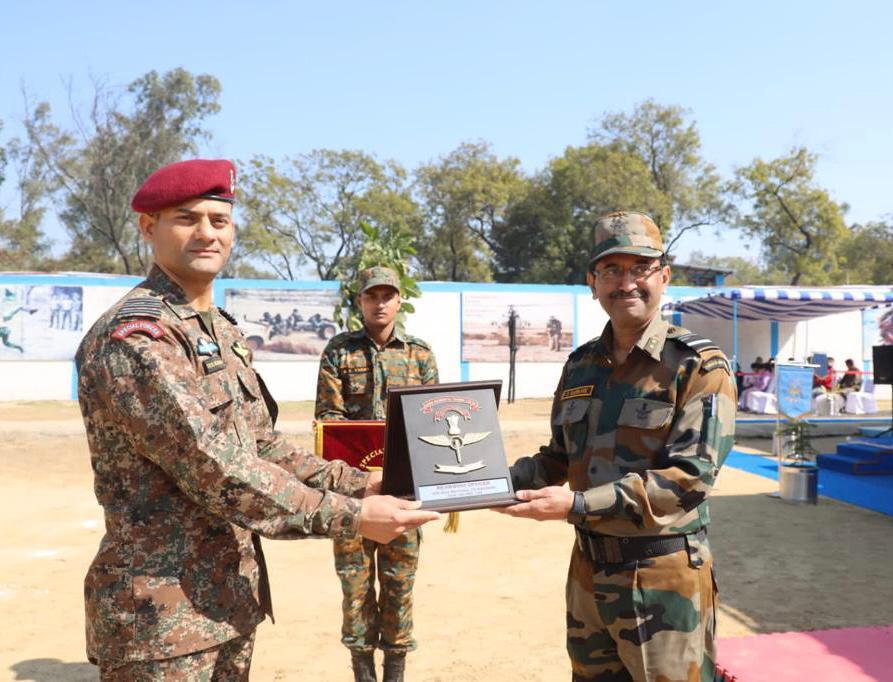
[(178, 182)]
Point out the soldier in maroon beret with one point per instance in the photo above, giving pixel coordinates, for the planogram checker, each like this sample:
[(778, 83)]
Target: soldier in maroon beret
[(188, 465)]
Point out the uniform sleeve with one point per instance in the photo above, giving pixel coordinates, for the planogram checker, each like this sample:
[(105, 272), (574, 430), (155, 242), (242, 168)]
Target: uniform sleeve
[(311, 470), (428, 368), (549, 465), (329, 398), (190, 427), (700, 437)]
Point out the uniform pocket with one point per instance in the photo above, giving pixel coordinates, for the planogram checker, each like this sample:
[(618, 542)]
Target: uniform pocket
[(217, 391), (644, 413), (357, 380), (571, 419)]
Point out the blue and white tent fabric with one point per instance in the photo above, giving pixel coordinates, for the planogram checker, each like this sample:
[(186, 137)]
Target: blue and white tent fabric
[(782, 304)]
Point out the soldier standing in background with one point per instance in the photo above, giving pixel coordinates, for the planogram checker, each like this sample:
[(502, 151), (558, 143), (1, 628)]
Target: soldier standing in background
[(355, 371), (642, 420), (188, 467)]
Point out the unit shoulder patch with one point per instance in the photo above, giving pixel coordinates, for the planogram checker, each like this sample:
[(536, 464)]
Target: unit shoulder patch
[(145, 307), (699, 344), (125, 329), (716, 362)]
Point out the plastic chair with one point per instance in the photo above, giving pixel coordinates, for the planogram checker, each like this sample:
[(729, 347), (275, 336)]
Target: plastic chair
[(862, 402)]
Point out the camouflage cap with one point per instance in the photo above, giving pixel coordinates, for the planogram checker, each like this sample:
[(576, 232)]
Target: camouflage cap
[(622, 232), (376, 277)]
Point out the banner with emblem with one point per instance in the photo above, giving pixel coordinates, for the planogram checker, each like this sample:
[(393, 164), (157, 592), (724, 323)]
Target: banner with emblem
[(360, 443), (794, 389)]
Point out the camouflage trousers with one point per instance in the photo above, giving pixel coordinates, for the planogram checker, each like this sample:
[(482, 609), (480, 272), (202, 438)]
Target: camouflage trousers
[(384, 621), (652, 620), (228, 662)]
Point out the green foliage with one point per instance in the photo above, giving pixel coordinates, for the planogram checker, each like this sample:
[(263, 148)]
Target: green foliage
[(464, 197), (799, 445), (94, 169), (549, 233), (388, 248), (800, 227), (868, 252), (669, 143), (309, 209), (743, 270)]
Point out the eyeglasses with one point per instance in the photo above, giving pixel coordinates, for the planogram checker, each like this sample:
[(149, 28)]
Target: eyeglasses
[(615, 273)]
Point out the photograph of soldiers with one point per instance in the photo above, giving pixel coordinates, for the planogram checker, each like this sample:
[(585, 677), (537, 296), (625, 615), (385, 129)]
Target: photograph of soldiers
[(486, 316), (355, 371), (284, 324), (188, 466), (39, 322), (642, 420)]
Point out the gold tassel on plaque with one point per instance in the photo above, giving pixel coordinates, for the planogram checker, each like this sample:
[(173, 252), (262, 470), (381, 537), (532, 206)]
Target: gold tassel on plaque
[(452, 523)]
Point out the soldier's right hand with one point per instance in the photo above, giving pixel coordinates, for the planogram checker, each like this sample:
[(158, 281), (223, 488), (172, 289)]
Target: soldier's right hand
[(383, 517)]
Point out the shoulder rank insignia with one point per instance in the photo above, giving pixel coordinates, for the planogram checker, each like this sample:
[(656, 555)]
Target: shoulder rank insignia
[(125, 329), (717, 362), (696, 342), (140, 306), (228, 316), (578, 392)]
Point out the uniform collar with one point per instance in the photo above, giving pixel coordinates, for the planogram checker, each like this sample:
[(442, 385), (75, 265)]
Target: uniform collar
[(171, 292), (396, 336), (651, 342)]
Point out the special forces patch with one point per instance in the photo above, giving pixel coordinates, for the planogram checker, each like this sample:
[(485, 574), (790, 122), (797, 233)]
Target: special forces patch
[(578, 392), (125, 329)]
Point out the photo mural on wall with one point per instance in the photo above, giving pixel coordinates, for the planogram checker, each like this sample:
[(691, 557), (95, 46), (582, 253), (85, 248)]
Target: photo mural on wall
[(544, 326), (284, 324), (40, 322)]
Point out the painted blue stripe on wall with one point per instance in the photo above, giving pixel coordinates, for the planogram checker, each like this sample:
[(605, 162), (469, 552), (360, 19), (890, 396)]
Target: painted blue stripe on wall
[(74, 381), (463, 371)]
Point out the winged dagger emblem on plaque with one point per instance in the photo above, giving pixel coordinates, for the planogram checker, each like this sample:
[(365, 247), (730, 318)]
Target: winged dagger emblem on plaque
[(450, 410)]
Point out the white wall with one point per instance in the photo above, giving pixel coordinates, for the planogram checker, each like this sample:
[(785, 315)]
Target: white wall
[(36, 380)]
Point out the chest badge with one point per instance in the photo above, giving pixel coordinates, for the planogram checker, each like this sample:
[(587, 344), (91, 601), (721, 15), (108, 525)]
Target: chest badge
[(242, 351), (206, 347), (642, 413)]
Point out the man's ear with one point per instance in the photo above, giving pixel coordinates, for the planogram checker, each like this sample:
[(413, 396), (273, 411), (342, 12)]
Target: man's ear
[(590, 282), (147, 226), (665, 275)]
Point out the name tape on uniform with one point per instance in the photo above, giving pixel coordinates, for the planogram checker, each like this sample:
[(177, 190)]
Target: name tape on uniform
[(578, 392)]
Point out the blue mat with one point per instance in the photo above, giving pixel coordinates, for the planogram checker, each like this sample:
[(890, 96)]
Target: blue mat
[(870, 492)]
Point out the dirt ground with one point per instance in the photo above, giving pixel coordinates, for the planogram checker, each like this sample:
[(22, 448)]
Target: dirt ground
[(489, 600)]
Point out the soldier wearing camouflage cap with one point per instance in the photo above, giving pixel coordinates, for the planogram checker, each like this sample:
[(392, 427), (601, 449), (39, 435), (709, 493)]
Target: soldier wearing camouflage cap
[(642, 420), (188, 467), (355, 371)]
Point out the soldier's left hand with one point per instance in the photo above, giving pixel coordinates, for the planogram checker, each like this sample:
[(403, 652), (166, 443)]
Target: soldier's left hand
[(546, 504), (373, 484)]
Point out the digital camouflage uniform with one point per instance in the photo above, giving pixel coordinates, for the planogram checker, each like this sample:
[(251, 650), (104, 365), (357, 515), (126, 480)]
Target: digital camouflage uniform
[(354, 377), (644, 442), (189, 471)]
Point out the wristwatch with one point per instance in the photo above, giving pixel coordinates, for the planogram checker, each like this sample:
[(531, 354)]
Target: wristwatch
[(579, 506)]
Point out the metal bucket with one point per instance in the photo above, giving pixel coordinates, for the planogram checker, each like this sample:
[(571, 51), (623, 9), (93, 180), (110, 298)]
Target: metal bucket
[(798, 483)]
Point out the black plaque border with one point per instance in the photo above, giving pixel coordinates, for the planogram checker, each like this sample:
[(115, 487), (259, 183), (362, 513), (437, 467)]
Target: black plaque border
[(397, 471)]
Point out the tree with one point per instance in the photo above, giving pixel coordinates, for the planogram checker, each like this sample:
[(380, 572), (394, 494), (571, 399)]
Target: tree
[(310, 208), (464, 196), (744, 271), (868, 252), (670, 145), (388, 248), (122, 139), (23, 244), (799, 226), (549, 233)]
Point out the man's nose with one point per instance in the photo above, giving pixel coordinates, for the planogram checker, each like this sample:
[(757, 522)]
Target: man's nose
[(204, 230)]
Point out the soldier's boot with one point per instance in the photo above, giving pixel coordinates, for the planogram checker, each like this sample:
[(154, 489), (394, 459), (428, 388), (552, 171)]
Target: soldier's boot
[(363, 666), (394, 665)]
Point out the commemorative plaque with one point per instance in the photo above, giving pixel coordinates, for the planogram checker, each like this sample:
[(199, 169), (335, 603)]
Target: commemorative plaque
[(443, 446)]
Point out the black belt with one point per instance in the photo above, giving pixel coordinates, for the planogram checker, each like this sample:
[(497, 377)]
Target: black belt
[(608, 549)]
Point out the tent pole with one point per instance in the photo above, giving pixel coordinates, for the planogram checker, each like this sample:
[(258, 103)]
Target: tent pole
[(735, 332)]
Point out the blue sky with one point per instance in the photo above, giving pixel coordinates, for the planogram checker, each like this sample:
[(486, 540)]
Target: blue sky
[(412, 80)]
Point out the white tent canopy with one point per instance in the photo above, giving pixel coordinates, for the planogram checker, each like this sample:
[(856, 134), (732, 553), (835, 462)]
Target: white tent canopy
[(781, 304)]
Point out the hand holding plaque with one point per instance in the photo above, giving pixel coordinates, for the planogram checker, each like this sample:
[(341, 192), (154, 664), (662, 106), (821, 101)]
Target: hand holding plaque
[(443, 447)]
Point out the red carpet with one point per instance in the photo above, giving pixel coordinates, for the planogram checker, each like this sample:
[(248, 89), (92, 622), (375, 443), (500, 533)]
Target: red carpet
[(844, 655)]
